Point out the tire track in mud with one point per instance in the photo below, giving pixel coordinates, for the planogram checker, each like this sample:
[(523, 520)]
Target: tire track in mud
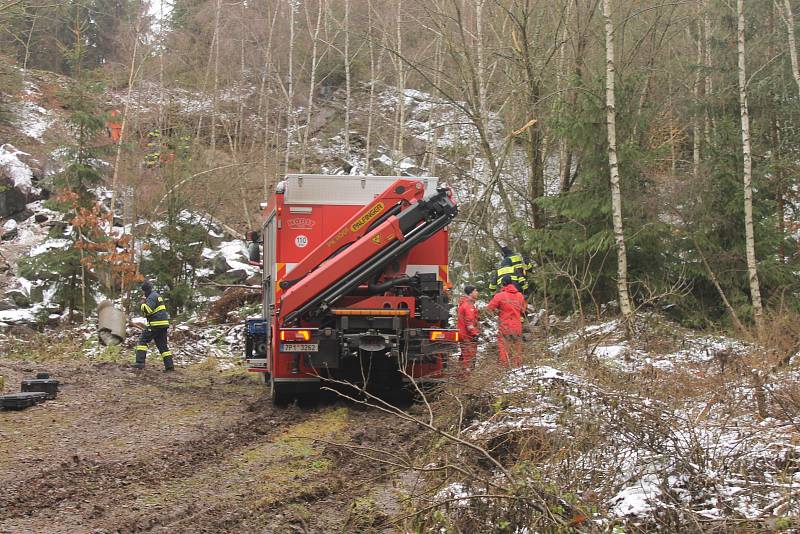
[(90, 481), (277, 497), (307, 500), (263, 469)]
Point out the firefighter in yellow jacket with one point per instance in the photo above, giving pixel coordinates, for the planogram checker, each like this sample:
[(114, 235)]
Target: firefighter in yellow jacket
[(157, 316), (515, 267)]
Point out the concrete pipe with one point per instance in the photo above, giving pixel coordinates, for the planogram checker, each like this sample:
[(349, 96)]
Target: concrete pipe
[(110, 323)]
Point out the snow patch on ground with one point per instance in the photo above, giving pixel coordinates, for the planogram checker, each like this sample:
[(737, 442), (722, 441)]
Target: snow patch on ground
[(698, 457), (32, 120), (50, 244), (19, 171)]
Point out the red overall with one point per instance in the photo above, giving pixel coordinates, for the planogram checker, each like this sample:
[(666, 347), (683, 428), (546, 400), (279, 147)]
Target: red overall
[(467, 330), (509, 305)]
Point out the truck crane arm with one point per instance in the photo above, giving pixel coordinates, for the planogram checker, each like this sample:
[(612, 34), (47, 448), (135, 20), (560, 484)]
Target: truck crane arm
[(397, 196), (368, 255)]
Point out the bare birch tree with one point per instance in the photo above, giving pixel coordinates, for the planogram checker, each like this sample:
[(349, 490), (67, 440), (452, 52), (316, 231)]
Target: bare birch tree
[(312, 82), (613, 167), (347, 82), (290, 88), (750, 249), (401, 89), (133, 69), (788, 18), (214, 94)]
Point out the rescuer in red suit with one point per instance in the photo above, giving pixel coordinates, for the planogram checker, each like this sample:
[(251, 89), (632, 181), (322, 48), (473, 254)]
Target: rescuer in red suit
[(468, 326), (509, 304)]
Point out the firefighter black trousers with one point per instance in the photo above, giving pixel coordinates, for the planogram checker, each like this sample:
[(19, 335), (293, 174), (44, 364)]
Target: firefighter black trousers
[(159, 335)]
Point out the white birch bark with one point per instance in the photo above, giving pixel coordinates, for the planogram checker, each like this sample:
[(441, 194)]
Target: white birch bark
[(347, 99), (215, 96), (752, 271), (311, 86), (696, 128), (266, 109), (788, 19), (708, 81), (613, 166), (131, 75), (290, 89), (401, 89), (372, 81)]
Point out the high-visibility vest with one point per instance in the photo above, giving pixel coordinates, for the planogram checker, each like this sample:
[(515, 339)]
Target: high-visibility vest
[(154, 310)]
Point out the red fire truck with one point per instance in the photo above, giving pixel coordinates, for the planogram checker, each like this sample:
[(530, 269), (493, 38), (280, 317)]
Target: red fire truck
[(355, 277)]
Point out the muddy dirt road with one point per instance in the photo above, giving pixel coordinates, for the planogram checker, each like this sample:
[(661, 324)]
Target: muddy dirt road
[(194, 451)]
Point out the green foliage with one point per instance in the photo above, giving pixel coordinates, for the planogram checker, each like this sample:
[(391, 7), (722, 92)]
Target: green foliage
[(40, 32), (61, 268), (576, 251), (174, 257), (65, 269), (85, 122)]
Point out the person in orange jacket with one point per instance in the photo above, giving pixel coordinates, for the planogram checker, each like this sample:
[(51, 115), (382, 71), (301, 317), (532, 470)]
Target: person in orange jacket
[(468, 330), (114, 126), (510, 305)]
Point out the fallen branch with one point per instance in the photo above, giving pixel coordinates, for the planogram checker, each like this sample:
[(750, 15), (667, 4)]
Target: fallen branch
[(217, 284)]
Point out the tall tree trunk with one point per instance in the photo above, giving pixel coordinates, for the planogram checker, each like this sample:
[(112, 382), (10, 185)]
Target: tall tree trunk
[(613, 166), (401, 89), (290, 91), (372, 81), (696, 88), (788, 19), (750, 249), (708, 81), (126, 107), (242, 79), (311, 85), (266, 110), (347, 95), (214, 95), (433, 143)]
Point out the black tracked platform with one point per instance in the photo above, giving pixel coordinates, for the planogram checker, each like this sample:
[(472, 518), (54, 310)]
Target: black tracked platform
[(43, 385), (20, 401)]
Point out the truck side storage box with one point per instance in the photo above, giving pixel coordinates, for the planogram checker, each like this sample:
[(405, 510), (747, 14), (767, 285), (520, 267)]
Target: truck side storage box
[(43, 385), (19, 401)]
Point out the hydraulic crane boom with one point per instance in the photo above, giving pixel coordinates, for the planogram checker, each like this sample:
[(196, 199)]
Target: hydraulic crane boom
[(368, 255), (400, 194)]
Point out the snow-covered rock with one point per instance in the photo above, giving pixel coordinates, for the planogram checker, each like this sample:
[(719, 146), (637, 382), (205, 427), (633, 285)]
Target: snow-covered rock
[(20, 172)]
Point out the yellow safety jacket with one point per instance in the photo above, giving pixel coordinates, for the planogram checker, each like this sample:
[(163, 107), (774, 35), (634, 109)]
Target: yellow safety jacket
[(154, 310)]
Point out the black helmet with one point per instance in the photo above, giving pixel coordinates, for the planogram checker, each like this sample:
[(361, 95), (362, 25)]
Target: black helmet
[(147, 288), (507, 280), (506, 250)]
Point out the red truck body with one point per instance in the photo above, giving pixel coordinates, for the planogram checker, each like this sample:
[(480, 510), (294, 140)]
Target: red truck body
[(355, 279)]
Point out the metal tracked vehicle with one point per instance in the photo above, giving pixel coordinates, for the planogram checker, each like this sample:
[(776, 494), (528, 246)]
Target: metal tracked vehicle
[(355, 277)]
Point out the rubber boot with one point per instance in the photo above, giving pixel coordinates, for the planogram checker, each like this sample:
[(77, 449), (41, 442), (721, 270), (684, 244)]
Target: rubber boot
[(139, 361), (169, 365)]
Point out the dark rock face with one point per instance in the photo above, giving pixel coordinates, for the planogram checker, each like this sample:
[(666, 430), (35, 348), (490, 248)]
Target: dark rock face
[(12, 200), (220, 265), (236, 276), (19, 298)]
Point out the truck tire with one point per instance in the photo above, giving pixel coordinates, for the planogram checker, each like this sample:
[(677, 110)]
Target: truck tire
[(281, 394)]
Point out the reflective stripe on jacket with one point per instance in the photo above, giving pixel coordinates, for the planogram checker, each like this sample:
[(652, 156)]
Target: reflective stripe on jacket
[(517, 273), (154, 310)]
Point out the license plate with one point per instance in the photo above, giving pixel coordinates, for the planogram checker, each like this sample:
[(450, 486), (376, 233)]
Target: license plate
[(300, 347)]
